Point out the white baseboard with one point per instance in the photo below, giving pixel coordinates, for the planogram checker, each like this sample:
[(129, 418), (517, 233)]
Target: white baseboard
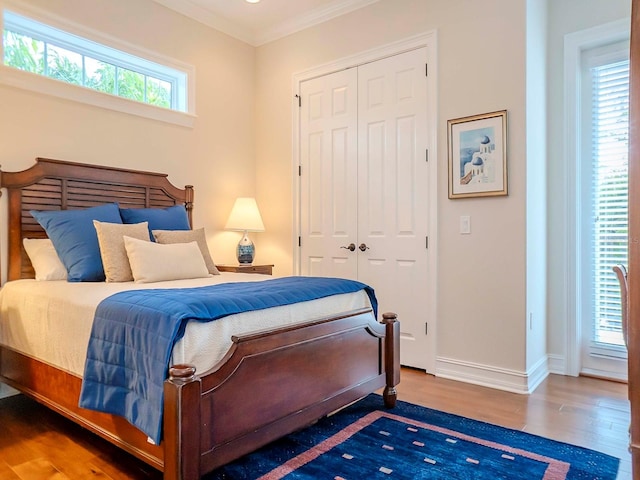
[(7, 391), (537, 373), (557, 364), (493, 377), (621, 377)]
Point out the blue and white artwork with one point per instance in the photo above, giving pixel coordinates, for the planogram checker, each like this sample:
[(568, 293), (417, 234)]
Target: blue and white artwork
[(477, 156)]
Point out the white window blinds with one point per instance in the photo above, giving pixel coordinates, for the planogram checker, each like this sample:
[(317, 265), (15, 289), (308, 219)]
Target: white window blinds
[(610, 131)]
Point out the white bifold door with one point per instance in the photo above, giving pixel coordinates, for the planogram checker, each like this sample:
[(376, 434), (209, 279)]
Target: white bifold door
[(364, 180)]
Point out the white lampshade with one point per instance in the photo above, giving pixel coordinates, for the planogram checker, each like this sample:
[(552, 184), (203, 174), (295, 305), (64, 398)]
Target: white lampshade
[(245, 216)]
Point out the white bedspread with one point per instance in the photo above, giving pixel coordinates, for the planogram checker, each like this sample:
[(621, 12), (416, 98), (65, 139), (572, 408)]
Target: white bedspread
[(52, 321)]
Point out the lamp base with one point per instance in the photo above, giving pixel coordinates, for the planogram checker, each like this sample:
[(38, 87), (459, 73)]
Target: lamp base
[(245, 250)]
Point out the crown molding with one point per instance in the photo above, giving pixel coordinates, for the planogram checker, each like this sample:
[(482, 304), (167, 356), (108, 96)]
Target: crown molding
[(315, 17), (210, 19), (261, 37)]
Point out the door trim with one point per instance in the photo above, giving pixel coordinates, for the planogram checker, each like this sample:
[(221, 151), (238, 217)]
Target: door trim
[(426, 40)]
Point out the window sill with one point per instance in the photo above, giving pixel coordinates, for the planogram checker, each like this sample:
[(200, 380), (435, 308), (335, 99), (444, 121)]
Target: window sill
[(28, 81)]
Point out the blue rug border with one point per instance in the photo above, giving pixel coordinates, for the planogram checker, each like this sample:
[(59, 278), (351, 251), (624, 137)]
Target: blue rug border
[(586, 464)]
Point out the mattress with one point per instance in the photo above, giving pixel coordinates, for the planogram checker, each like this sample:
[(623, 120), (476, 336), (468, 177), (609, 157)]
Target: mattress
[(51, 320)]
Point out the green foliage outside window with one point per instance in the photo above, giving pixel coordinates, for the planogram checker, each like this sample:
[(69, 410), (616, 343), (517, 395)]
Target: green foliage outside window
[(36, 56), (23, 52)]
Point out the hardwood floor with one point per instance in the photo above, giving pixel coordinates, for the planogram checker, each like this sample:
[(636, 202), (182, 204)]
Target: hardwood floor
[(36, 444), (581, 411)]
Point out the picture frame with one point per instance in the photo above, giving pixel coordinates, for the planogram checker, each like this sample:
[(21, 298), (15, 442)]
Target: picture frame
[(478, 155)]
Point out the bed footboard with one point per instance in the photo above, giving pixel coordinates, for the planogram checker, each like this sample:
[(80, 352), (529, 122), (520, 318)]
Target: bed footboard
[(272, 383)]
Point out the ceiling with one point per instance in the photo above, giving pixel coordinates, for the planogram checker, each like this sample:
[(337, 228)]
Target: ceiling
[(263, 22)]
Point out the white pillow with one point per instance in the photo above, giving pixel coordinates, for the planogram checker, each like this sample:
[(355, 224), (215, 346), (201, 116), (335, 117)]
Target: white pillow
[(112, 252), (186, 236), (156, 262), (45, 259)]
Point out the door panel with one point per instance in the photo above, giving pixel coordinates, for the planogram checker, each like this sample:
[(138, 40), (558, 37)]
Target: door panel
[(393, 195), (328, 151)]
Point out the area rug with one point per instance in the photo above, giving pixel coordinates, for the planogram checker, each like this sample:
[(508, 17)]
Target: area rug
[(367, 441)]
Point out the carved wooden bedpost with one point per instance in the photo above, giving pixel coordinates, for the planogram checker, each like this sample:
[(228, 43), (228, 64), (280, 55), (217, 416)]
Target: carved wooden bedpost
[(391, 358), (182, 424), (188, 203)]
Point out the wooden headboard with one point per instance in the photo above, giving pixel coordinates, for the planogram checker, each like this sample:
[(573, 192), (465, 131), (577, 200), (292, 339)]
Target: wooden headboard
[(60, 185)]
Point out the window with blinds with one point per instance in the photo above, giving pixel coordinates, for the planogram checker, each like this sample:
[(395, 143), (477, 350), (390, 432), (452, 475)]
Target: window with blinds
[(609, 195)]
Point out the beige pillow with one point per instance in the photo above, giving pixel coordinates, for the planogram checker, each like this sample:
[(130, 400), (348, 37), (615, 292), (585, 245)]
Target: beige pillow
[(186, 236), (44, 259), (112, 251), (155, 262)]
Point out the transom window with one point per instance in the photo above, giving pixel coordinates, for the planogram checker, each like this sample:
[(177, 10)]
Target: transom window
[(41, 49)]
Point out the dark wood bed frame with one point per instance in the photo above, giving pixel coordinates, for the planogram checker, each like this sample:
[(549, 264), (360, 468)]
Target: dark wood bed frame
[(269, 384)]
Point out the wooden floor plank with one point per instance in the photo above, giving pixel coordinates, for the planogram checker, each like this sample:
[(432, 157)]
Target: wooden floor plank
[(588, 412), (6, 473), (38, 469)]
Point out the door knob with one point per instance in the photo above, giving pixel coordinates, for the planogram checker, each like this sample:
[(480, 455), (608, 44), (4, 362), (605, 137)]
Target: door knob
[(351, 247), (363, 247)]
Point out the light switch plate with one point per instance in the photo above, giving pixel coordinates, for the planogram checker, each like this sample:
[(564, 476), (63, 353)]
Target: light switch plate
[(465, 224)]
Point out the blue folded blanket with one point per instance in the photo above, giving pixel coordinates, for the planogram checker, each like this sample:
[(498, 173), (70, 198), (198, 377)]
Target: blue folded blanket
[(134, 332)]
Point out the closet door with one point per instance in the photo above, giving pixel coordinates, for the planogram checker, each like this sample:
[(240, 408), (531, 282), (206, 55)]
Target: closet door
[(364, 187), (393, 195), (328, 162)]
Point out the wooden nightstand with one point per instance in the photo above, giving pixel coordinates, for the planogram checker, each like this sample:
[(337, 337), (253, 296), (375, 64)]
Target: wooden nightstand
[(262, 269)]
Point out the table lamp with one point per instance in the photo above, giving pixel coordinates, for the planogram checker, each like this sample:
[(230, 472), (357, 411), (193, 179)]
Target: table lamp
[(245, 217)]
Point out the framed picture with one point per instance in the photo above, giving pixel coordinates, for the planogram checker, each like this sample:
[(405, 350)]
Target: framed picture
[(478, 155)]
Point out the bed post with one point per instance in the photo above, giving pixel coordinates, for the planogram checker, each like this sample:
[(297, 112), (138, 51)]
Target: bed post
[(188, 203), (182, 424), (391, 358)]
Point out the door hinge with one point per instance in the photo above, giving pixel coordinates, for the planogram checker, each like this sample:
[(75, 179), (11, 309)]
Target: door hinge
[(426, 69), (427, 155), (299, 170), (299, 241), (299, 100), (426, 242), (426, 328)]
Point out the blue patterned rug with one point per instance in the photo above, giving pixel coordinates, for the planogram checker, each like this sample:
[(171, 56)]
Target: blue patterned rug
[(366, 441)]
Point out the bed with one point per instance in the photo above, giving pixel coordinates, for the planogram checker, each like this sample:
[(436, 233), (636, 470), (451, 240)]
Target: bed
[(214, 416)]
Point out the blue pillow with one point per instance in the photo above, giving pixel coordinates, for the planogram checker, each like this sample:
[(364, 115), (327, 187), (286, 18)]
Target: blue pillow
[(75, 239), (172, 218)]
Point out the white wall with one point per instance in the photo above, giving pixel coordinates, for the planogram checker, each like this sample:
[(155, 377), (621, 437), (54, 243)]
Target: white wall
[(481, 64), (216, 156), (565, 16)]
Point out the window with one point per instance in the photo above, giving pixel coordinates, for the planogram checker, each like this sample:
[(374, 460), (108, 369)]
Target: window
[(41, 49), (609, 202), (592, 147), (603, 203)]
